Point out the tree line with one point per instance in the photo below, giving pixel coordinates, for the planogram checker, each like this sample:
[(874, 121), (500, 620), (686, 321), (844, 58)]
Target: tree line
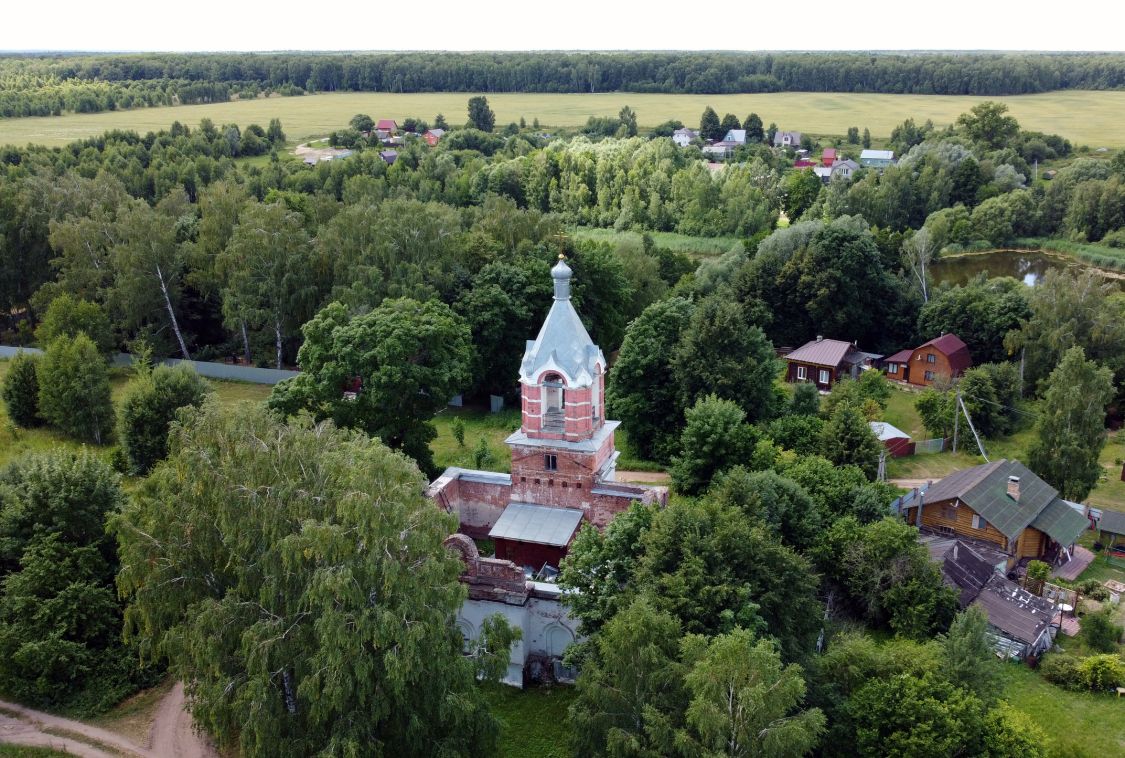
[(106, 82)]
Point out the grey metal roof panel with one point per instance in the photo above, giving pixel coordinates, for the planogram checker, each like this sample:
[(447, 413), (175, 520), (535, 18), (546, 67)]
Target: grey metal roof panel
[(524, 522), (1061, 523), (1013, 610), (967, 571)]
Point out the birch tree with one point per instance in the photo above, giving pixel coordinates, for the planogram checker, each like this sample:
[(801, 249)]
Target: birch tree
[(744, 702), (149, 270), (268, 273), (918, 252), (293, 576)]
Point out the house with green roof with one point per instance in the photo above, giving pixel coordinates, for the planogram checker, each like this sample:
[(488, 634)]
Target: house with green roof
[(1003, 505)]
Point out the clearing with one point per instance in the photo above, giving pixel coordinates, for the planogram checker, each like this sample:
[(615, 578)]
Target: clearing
[(1085, 117)]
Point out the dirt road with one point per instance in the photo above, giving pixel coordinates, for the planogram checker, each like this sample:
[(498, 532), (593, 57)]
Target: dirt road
[(171, 735)]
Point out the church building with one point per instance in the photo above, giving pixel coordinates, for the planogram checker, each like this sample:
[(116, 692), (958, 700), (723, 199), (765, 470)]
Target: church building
[(562, 476)]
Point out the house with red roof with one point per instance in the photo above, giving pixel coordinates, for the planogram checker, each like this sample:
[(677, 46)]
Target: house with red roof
[(828, 157), (945, 356), (387, 125), (824, 362)]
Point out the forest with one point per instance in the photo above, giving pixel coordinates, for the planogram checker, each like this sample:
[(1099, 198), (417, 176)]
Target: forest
[(53, 84)]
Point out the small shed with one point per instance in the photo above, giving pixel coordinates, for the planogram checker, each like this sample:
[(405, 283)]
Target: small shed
[(897, 442), (1112, 525)]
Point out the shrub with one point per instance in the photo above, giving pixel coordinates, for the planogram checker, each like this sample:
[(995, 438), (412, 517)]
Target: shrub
[(1062, 670), (67, 317), (149, 407), (21, 389), (458, 429), (1101, 633), (74, 389), (1094, 589), (482, 455), (1102, 672)]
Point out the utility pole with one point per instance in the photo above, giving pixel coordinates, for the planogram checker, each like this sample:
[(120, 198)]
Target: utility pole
[(956, 419), (976, 436), (882, 475)]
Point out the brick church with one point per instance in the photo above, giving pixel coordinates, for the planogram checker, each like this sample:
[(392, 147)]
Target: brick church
[(562, 475), (563, 455)]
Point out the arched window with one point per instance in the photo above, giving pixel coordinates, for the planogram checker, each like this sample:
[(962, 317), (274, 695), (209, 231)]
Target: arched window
[(553, 393), (466, 636), (559, 638)]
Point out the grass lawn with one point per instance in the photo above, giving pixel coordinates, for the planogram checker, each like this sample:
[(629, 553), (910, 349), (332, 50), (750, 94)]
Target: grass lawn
[(133, 717), (22, 751), (493, 428), (1109, 492), (1084, 117), (1077, 724), (15, 441), (694, 247), (532, 721)]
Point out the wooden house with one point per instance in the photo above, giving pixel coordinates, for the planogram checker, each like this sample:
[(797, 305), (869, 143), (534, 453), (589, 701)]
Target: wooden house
[(1004, 506), (945, 357), (828, 157), (824, 362), (433, 136)]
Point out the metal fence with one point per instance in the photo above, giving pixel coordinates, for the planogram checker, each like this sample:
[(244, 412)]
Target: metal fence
[(225, 371), (929, 446)]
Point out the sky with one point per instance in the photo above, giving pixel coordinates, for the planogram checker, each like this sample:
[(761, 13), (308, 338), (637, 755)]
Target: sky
[(242, 25)]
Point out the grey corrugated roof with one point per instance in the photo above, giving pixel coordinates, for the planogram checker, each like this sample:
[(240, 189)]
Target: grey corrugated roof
[(563, 344), (1112, 522), (822, 352), (966, 570), (1062, 523), (524, 522), (1013, 610)]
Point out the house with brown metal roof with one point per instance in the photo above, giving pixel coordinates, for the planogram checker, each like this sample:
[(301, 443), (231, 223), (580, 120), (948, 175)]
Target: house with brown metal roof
[(1002, 505), (824, 362), (942, 357)]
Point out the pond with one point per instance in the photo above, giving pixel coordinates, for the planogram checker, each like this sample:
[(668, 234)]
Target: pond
[(1029, 267)]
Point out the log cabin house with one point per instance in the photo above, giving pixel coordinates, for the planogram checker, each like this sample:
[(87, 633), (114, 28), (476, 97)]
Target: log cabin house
[(942, 357), (1002, 505)]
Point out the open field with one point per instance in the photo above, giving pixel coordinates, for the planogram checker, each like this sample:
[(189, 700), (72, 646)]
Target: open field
[(1085, 117), (693, 247)]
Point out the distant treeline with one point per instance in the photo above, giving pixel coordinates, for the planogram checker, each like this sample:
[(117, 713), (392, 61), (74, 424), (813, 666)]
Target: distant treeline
[(179, 77)]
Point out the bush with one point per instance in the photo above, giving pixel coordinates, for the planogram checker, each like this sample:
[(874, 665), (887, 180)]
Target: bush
[(1101, 633), (21, 389), (1102, 672), (1094, 589), (149, 407), (74, 389), (1062, 670)]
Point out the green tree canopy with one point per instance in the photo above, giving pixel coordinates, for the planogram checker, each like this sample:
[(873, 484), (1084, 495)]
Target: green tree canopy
[(1072, 425), (642, 389), (21, 389), (403, 361), (847, 440), (149, 407), (744, 702), (67, 316), (720, 354), (74, 389), (308, 548), (715, 438), (480, 115)]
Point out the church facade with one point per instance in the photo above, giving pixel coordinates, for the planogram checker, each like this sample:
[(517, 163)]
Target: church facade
[(563, 475)]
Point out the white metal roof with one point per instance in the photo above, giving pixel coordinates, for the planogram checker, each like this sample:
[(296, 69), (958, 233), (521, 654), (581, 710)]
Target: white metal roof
[(540, 524), (885, 431), (883, 155)]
